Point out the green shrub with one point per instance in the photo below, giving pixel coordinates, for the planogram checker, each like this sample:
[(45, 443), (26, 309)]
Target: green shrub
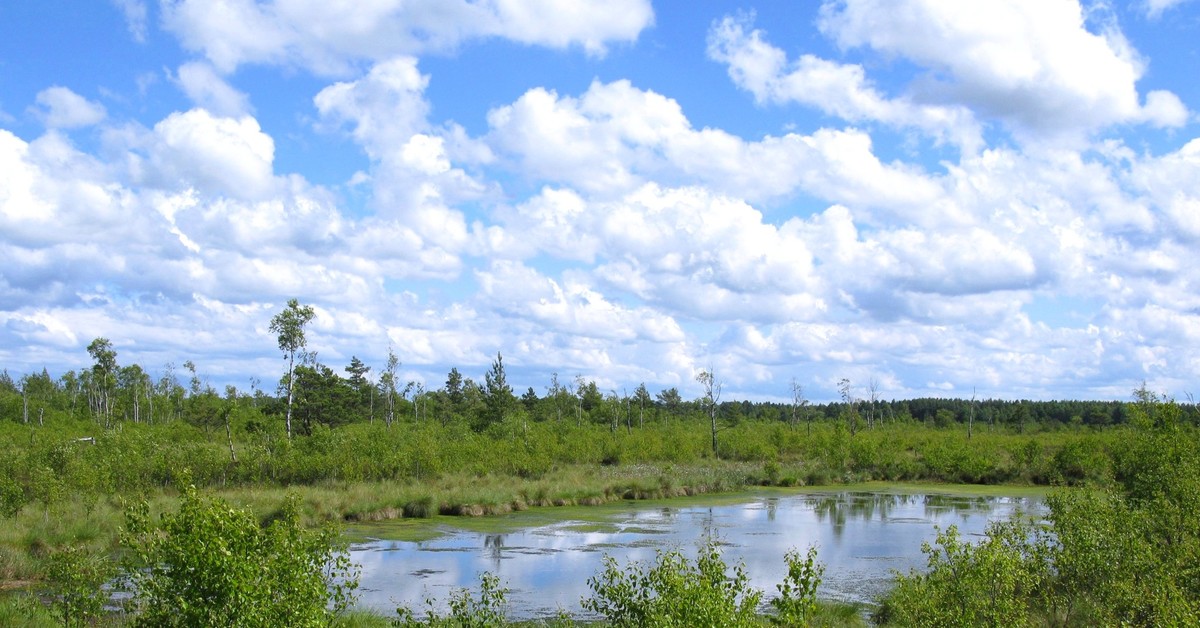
[(488, 611), (1081, 462), (674, 592), (1125, 561), (797, 599), (76, 578), (212, 564), (993, 583)]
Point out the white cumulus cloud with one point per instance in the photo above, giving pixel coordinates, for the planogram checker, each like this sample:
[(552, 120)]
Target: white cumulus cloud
[(1033, 64), (840, 90), (615, 138), (218, 155), (210, 91), (61, 108), (329, 39)]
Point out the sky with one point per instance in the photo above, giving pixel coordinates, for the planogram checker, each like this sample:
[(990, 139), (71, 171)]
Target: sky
[(936, 198)]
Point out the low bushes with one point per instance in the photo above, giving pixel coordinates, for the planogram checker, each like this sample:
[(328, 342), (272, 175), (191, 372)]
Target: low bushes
[(211, 564)]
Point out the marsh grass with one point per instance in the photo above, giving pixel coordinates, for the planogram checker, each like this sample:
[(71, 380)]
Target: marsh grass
[(833, 614), (471, 495), (22, 610)]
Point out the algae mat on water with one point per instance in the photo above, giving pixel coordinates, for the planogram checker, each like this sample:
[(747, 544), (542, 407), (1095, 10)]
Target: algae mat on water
[(599, 518)]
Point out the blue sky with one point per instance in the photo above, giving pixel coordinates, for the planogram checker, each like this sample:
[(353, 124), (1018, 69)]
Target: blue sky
[(940, 198)]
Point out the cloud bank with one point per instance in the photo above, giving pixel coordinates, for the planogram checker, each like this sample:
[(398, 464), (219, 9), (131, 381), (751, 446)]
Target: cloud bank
[(977, 199)]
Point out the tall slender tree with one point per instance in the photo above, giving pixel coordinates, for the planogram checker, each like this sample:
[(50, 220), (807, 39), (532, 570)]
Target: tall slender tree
[(104, 376), (971, 417), (289, 325), (580, 389), (135, 386), (387, 384), (643, 397), (364, 390), (849, 405), (873, 400), (498, 395), (799, 404), (555, 392), (712, 397), (455, 390)]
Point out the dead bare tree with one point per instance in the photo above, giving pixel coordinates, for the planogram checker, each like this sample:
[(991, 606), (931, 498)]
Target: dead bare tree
[(850, 402), (971, 415), (873, 398), (799, 404)]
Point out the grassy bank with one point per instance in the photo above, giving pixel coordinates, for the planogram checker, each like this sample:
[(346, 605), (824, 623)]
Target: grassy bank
[(828, 614)]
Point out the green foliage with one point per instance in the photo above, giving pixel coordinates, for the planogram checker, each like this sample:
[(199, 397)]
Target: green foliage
[(674, 592), (321, 397), (76, 579), (797, 601), (497, 396), (992, 583), (1081, 462), (488, 611), (12, 495), (212, 564), (1133, 556), (1129, 556), (131, 459)]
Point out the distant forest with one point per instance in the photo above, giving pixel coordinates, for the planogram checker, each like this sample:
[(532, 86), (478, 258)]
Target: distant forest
[(108, 392)]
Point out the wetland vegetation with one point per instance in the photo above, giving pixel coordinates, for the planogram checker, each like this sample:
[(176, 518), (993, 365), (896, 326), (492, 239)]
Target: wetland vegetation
[(93, 460)]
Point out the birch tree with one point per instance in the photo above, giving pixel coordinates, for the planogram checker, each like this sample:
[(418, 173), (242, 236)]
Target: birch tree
[(712, 397), (387, 382), (289, 326), (556, 392), (799, 404), (873, 399), (104, 377), (850, 405), (643, 396)]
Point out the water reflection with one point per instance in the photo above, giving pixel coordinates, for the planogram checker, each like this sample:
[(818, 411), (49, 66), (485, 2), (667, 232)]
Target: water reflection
[(861, 537), (493, 545)]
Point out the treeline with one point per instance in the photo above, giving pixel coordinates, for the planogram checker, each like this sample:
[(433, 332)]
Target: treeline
[(944, 412), (322, 395)]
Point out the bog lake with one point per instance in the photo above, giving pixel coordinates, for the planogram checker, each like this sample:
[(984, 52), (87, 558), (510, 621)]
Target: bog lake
[(545, 556)]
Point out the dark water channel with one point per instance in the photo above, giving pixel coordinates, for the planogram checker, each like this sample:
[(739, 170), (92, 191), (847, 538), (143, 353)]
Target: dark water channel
[(861, 537)]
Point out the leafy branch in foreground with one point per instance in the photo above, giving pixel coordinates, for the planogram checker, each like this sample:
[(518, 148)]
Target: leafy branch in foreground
[(797, 599)]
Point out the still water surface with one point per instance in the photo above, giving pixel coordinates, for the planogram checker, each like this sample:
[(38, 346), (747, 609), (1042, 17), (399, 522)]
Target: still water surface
[(861, 538)]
